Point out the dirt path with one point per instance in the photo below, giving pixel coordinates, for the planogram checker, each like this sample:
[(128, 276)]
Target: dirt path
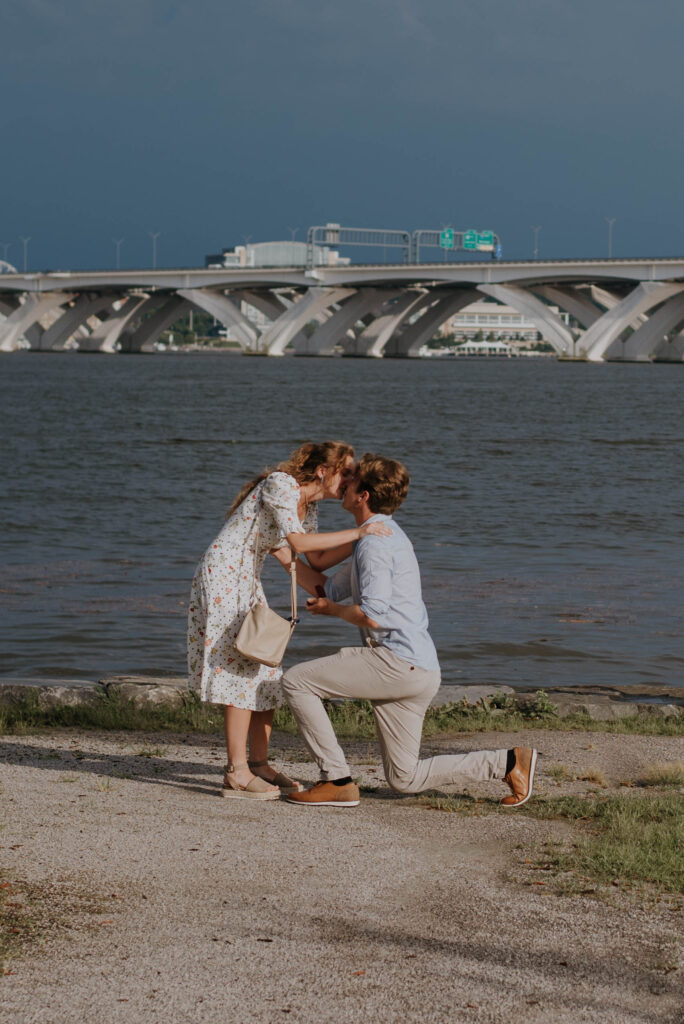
[(169, 905)]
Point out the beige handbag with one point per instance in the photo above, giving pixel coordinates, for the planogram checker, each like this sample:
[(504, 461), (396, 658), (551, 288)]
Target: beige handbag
[(264, 635)]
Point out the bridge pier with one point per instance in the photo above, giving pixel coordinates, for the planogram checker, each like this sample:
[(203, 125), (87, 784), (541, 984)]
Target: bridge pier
[(364, 302), (105, 336), (219, 305), (578, 304), (597, 341), (285, 329), (65, 326), (551, 326), (406, 343), (642, 345), (27, 314), (372, 340), (140, 335)]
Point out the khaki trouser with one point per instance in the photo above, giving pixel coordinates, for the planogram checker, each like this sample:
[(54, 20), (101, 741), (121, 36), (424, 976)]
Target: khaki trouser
[(400, 694)]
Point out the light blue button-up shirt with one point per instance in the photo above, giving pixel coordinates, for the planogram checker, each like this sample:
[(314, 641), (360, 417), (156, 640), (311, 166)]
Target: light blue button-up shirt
[(384, 579)]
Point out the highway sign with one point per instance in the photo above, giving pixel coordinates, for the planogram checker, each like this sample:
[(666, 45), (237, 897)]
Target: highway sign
[(446, 238), (485, 240), (470, 239)]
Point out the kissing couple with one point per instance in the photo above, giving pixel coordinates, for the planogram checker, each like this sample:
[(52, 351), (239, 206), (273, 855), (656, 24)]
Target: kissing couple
[(377, 589)]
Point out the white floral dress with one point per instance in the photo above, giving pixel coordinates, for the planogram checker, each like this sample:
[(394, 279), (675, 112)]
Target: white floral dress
[(223, 591)]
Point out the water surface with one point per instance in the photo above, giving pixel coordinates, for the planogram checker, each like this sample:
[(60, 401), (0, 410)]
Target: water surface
[(546, 505)]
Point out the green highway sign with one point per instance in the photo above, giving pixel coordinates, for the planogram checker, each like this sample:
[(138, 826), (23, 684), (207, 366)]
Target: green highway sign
[(446, 238), (484, 241)]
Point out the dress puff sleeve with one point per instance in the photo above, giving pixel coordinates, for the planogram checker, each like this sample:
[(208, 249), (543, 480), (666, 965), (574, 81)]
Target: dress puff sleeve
[(280, 497)]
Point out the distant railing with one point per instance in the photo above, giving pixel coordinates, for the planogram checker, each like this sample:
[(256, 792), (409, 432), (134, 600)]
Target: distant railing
[(378, 238)]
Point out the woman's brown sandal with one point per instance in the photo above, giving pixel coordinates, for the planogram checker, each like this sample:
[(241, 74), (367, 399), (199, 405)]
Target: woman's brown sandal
[(286, 784), (256, 788)]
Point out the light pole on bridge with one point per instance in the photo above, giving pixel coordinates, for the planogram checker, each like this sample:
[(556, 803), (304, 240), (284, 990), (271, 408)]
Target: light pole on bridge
[(5, 247), (154, 235), (535, 232), (610, 221), (118, 243), (26, 242)]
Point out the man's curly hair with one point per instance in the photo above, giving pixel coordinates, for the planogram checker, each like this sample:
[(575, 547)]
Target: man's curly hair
[(386, 480)]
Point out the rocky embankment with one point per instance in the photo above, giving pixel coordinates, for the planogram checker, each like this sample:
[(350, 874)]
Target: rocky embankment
[(601, 703)]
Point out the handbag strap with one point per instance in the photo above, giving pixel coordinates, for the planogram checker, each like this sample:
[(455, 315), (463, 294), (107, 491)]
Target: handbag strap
[(294, 618)]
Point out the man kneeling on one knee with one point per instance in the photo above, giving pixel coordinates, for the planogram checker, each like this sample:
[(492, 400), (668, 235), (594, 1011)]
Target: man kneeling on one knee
[(397, 668)]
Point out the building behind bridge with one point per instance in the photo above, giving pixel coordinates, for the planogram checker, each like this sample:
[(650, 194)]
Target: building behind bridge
[(496, 322), (275, 254)]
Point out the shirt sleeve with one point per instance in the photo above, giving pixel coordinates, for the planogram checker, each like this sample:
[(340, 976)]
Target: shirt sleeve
[(338, 587), (374, 569), (280, 497)]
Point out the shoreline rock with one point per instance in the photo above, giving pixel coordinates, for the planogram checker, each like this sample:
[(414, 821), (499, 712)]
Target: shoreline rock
[(600, 703)]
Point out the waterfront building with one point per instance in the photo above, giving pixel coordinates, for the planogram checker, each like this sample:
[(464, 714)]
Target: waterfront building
[(496, 322)]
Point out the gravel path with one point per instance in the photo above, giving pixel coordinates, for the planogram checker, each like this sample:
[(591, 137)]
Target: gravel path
[(164, 905)]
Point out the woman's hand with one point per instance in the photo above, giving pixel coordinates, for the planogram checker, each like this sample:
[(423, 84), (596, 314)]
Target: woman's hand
[(378, 529)]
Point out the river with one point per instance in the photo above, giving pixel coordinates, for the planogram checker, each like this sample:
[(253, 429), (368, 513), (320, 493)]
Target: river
[(546, 505)]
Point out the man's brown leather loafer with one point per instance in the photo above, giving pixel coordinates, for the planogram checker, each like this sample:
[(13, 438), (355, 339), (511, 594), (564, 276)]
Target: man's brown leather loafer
[(521, 777), (327, 794)]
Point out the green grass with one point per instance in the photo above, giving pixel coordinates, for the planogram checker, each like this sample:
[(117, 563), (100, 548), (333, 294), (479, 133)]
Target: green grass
[(663, 775), (628, 838), (623, 839), (111, 711), (351, 719)]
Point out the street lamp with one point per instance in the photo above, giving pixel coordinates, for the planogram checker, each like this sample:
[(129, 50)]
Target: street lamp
[(535, 232), (5, 247), (610, 221), (118, 242), (154, 235), (26, 242)]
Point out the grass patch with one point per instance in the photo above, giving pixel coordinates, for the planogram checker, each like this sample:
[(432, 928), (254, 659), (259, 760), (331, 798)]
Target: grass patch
[(463, 804), (112, 711), (623, 839), (351, 719), (559, 773), (663, 775), (627, 838), (594, 775)]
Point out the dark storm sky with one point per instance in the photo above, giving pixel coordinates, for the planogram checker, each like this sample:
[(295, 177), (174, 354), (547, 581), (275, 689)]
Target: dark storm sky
[(221, 119)]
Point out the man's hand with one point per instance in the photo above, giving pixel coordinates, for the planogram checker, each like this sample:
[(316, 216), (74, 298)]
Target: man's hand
[(348, 612)]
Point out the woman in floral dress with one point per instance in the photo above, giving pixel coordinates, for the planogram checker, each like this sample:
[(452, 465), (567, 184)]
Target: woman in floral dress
[(275, 509)]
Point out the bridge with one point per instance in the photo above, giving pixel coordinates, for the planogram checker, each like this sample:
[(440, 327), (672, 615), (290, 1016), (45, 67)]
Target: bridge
[(617, 309)]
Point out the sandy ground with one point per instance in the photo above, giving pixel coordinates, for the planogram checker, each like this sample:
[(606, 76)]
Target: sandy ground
[(162, 903)]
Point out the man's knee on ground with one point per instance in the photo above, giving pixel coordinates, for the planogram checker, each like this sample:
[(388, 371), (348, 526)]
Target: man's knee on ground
[(401, 781)]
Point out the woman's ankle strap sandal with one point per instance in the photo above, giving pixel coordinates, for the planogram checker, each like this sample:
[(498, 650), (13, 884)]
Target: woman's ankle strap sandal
[(285, 783), (256, 788)]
